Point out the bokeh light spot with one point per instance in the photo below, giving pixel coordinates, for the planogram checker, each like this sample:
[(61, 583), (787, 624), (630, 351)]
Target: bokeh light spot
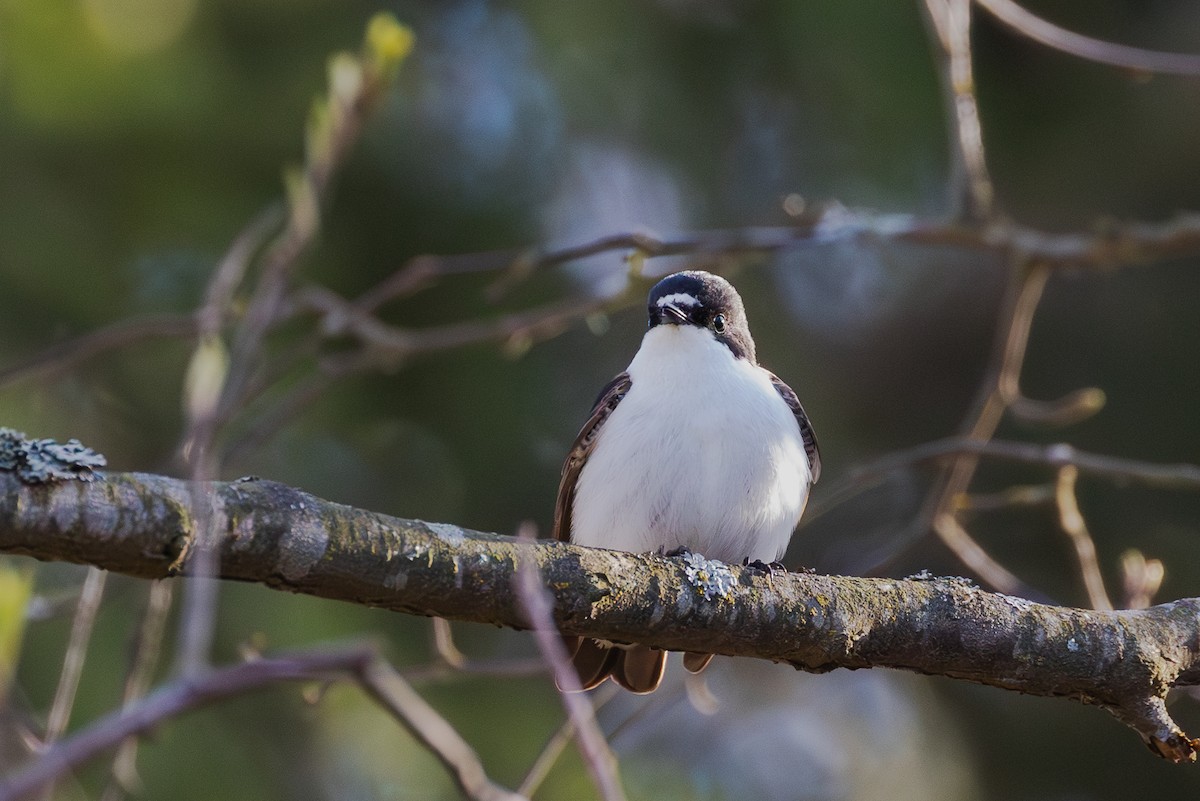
[(137, 27)]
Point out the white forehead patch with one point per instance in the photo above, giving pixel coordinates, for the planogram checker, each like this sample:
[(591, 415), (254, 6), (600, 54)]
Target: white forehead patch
[(678, 299)]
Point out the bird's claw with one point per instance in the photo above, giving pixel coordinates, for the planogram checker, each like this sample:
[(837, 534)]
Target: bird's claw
[(759, 566)]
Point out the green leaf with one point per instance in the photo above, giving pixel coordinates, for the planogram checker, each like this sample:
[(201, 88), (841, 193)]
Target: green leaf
[(16, 588)]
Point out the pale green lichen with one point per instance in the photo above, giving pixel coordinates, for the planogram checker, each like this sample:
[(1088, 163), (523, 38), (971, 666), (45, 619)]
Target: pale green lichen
[(711, 578)]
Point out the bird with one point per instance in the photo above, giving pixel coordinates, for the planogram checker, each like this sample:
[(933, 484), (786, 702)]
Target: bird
[(693, 448)]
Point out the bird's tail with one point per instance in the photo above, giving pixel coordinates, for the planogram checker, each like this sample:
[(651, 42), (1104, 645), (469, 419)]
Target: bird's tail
[(637, 668)]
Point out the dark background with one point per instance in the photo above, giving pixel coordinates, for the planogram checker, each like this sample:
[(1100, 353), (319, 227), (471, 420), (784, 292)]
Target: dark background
[(138, 137)]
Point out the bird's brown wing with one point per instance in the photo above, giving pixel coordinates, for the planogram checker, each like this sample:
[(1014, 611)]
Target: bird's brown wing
[(806, 430), (594, 661), (609, 397)]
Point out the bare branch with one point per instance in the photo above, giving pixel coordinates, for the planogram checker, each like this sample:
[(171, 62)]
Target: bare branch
[(1124, 661), (497, 668), (558, 742), (951, 22), (146, 649), (355, 88), (1034, 27), (63, 356), (388, 346), (1007, 498), (362, 665), (1110, 244), (1114, 468), (1142, 577), (538, 607), (198, 611), (1072, 522), (1000, 386), (82, 625), (443, 644), (450, 661), (232, 268), (168, 702), (974, 556), (1074, 407), (392, 692)]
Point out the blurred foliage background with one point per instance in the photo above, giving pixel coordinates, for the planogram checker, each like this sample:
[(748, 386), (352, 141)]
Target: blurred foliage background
[(137, 137)]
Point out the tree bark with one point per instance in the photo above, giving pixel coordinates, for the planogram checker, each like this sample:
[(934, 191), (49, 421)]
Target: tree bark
[(265, 532)]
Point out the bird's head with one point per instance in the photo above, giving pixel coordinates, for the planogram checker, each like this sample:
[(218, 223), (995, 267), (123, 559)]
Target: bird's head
[(707, 302)]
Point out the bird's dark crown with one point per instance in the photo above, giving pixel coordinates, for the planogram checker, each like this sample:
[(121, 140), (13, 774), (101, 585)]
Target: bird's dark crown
[(706, 301)]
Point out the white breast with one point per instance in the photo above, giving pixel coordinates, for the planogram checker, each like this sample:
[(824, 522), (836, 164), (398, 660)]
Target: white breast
[(701, 453)]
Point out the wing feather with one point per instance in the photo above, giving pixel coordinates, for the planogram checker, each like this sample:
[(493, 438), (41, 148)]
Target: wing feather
[(806, 430), (609, 397)]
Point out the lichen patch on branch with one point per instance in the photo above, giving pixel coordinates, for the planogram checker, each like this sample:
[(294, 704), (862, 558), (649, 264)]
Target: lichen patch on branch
[(41, 461)]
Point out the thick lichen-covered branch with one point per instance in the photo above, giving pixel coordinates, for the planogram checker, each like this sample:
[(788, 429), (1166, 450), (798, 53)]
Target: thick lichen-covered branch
[(142, 525)]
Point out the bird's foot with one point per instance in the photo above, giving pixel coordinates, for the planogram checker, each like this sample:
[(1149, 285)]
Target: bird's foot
[(759, 566)]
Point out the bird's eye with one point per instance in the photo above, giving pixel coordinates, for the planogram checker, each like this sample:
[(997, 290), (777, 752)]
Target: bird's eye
[(718, 324)]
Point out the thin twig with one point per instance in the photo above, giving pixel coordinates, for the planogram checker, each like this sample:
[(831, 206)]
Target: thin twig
[(218, 379), (188, 693), (1007, 498), (392, 692), (82, 626), (169, 701), (61, 357), (207, 383), (976, 558), (1073, 525), (443, 644), (1182, 476), (1012, 357), (201, 592), (1142, 578), (554, 747), (146, 649), (496, 668), (347, 115), (547, 757), (1040, 30), (951, 22), (232, 268), (1110, 244), (1074, 407), (389, 345), (1001, 383), (538, 606), (999, 387)]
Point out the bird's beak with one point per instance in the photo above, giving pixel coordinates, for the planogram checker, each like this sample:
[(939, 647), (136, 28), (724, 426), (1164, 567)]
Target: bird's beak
[(672, 314)]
